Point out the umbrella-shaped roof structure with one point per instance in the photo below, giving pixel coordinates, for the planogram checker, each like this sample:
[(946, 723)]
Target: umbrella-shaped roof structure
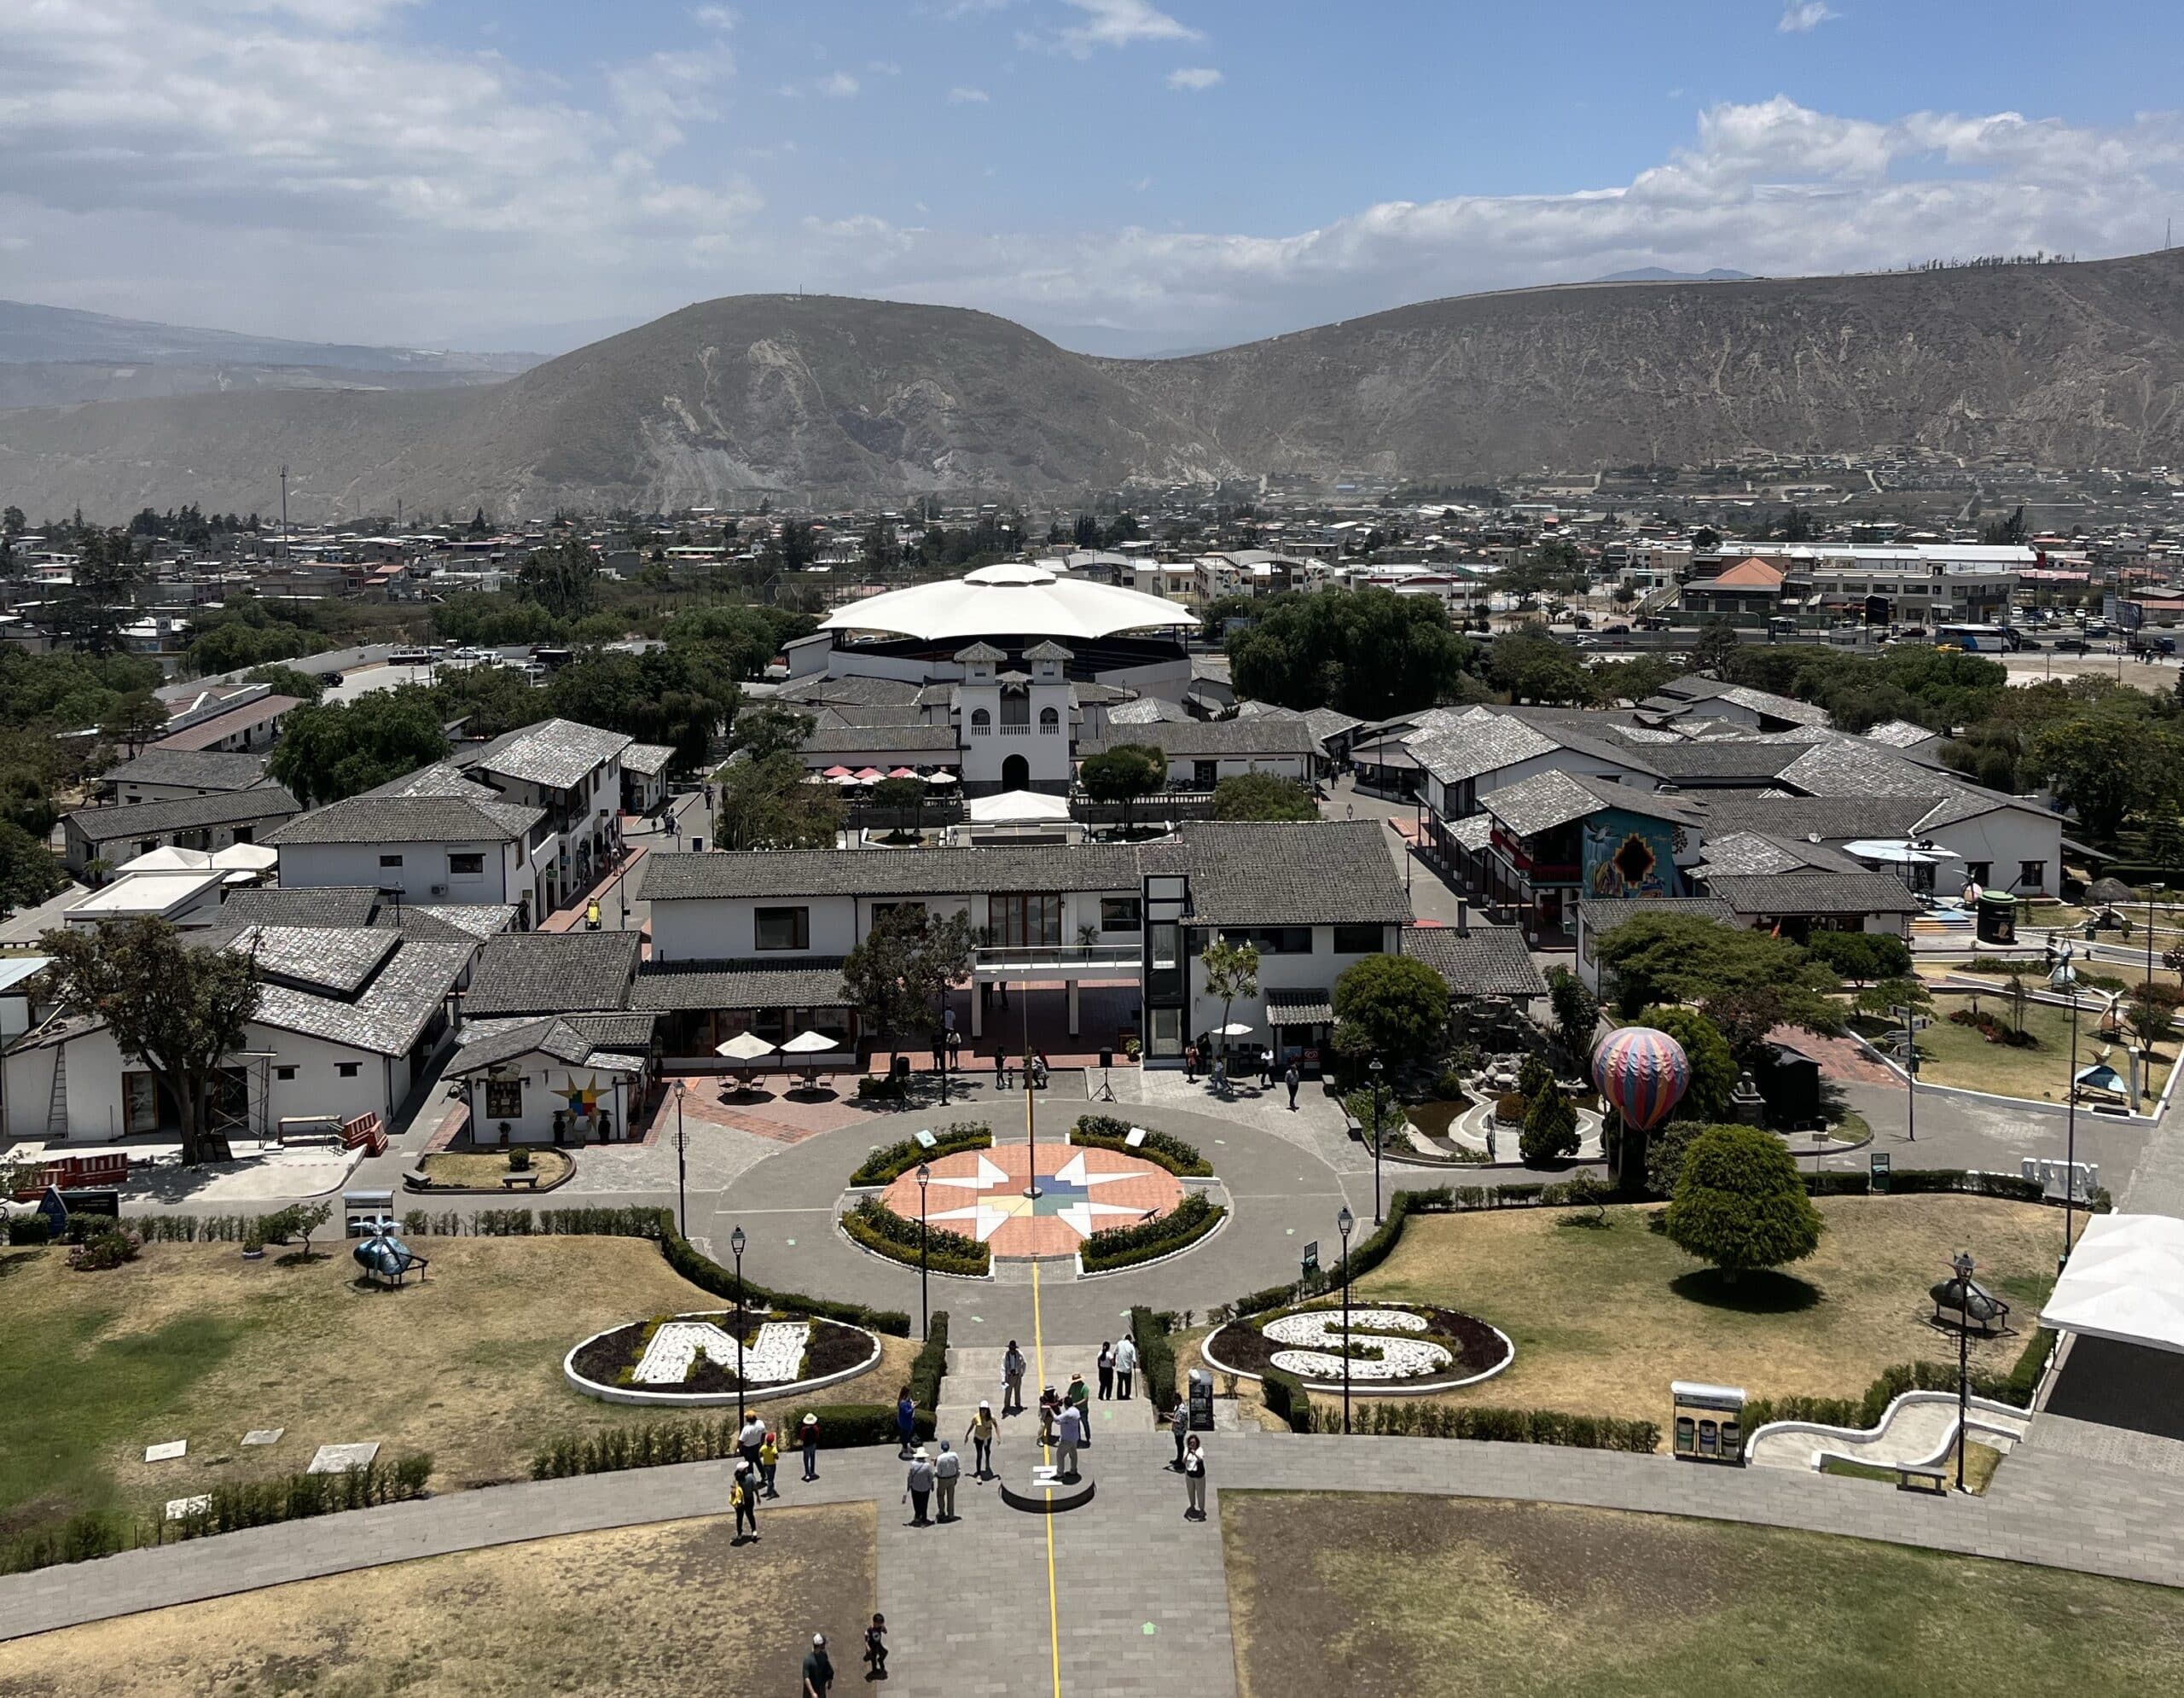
[(2124, 1281), (1017, 600), (809, 1044), (747, 1046)]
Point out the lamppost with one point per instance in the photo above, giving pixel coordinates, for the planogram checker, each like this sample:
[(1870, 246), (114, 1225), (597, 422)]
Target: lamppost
[(1963, 1355), (2063, 979), (924, 1305), (1374, 1069), (1343, 1223), (735, 1243), (2152, 890), (682, 1167)]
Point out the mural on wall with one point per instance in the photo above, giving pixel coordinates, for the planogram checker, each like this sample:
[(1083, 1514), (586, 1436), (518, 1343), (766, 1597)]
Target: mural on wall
[(1629, 855)]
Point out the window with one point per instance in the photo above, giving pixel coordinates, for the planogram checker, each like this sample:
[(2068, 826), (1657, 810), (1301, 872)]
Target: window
[(981, 722), (782, 927), (466, 866), (1206, 774), (348, 1069), (1050, 722), (1271, 939), (1015, 710), (390, 860), (1358, 940), (242, 833), (1978, 872), (503, 1099), (284, 1072), (1025, 920), (1121, 913), (2032, 874)]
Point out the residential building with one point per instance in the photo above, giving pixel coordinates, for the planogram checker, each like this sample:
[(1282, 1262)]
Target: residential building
[(165, 774), (210, 820)]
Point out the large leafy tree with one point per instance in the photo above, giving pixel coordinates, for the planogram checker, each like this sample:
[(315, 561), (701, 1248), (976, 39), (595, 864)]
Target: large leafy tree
[(770, 730), (1576, 1012), (766, 804), (897, 975), (340, 749), (562, 578), (1748, 982), (1531, 666), (1262, 795), (28, 872), (1371, 652), (1740, 1202), (179, 1009), (2107, 769), (1713, 1069), (1126, 774), (1394, 1006)]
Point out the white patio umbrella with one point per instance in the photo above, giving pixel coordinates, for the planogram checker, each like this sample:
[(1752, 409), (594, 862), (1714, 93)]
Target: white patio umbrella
[(1236, 1028), (747, 1046), (809, 1044)]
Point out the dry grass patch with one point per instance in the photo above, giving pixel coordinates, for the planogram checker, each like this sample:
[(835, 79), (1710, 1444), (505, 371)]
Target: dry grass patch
[(489, 1169), (1603, 1318), (636, 1611)]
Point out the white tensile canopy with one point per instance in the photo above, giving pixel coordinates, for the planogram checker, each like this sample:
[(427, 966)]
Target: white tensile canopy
[(1017, 600), (747, 1046), (1018, 807), (1236, 1028), (2124, 1281), (809, 1044)]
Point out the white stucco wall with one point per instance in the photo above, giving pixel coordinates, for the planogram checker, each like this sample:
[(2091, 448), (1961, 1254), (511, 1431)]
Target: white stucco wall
[(424, 865), (543, 1080), (692, 928)]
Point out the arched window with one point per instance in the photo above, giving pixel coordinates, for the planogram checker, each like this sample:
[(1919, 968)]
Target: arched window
[(1050, 722), (981, 722)]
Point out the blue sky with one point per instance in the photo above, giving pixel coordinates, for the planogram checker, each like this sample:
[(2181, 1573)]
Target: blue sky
[(1122, 175)]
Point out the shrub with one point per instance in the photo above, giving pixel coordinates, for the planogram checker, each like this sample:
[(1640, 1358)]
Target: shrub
[(1392, 1005), (1287, 1399), (895, 1159), (1448, 1086), (881, 1088), (1740, 1202), (1511, 1107), (1550, 1131), (1417, 1418), (930, 1364), (108, 1248), (1156, 1356), (519, 1160), (1122, 1246), (29, 1228), (705, 1439), (877, 1227), (1104, 1132), (708, 1275)]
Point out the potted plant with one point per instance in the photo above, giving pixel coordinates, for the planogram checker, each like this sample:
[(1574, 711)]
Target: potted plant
[(518, 1159)]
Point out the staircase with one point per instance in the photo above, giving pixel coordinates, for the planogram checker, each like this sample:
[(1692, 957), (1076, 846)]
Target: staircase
[(1949, 925)]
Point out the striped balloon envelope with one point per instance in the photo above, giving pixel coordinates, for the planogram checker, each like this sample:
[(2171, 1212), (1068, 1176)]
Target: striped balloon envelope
[(1643, 1072)]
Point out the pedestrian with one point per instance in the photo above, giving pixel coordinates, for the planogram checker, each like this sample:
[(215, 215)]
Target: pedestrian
[(1069, 1435), (1125, 1368), (1079, 1397), (1266, 1068), (1190, 1064), (1293, 1079), (810, 1431), (818, 1669), (906, 1423), (1001, 1070), (1049, 1408), (1107, 1370), (749, 1438), (770, 1458), (1193, 1481), (980, 1433), (876, 1647), (918, 1488), (743, 1496), (1179, 1423), (1012, 1380), (947, 1468)]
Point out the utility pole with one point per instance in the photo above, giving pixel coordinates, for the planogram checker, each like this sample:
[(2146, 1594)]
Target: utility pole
[(284, 514)]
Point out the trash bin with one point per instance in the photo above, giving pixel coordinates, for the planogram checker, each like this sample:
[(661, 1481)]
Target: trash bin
[(1996, 918)]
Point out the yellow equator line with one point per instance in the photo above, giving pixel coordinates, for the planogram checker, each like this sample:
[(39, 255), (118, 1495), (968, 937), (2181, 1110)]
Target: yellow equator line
[(1053, 1609)]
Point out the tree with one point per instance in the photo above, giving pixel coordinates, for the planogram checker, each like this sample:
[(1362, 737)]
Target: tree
[(2106, 768), (1740, 1202), (1713, 1069), (2152, 1021), (562, 578), (306, 687), (340, 749), (1123, 774), (1550, 1131), (134, 721), (1705, 540), (766, 804), (1531, 666), (1232, 970), (1262, 796), (901, 796), (11, 523), (1371, 652), (761, 732), (1717, 647), (106, 574), (1576, 1012), (297, 1220), (897, 974), (178, 1009), (28, 873), (1393, 1006), (1861, 956), (1747, 982)]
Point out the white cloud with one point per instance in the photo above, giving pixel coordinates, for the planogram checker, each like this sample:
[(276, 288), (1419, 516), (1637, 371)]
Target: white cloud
[(884, 67), (1122, 23), (840, 85), (961, 96), (1806, 15), (1195, 78)]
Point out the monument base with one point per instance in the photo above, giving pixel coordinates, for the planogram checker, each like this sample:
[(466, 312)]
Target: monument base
[(1045, 1493)]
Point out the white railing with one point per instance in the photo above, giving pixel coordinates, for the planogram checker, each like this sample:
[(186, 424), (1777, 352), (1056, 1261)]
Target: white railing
[(1009, 731), (1059, 955)]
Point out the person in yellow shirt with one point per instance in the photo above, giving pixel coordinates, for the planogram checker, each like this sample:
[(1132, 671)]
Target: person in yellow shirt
[(769, 1457), (980, 1433)]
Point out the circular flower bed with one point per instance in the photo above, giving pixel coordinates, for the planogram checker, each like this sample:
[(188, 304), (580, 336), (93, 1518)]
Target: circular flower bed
[(1390, 1349), (694, 1360)]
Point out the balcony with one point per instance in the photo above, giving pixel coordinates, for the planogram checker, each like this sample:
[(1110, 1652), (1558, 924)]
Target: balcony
[(1009, 731), (1050, 962)]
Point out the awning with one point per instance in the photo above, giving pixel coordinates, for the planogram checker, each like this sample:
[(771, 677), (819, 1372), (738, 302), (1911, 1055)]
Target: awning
[(2124, 1281), (1299, 1007), (1019, 807)]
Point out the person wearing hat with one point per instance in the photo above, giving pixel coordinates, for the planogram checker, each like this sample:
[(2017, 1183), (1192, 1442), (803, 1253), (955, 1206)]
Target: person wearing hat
[(1079, 1397), (980, 1433), (947, 1468), (818, 1669), (1012, 1380), (1069, 1435), (1050, 1407), (918, 1489), (743, 1494), (770, 1458), (808, 1436)]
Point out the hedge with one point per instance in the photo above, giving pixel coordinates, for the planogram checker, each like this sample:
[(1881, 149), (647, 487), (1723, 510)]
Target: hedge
[(2015, 1387), (930, 1363), (1423, 1419), (1156, 1356), (1105, 1132), (871, 1223), (1124, 1247), (1287, 1399), (891, 1161), (25, 1229), (626, 1221), (709, 1276), (609, 1450)]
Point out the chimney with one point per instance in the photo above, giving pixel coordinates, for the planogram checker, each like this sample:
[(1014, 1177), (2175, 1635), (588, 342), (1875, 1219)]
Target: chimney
[(1463, 917)]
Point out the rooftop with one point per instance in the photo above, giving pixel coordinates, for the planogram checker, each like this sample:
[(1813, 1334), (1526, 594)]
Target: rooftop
[(1480, 961), (208, 731), (1814, 893), (553, 971), (1008, 601), (556, 754), (185, 813), (889, 872), (198, 769), (668, 986), (433, 805)]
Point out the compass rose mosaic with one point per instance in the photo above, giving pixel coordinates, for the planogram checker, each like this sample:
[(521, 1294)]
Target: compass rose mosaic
[(980, 1193)]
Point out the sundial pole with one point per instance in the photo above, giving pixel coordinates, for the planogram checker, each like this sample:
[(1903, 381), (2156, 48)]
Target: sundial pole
[(1031, 1127)]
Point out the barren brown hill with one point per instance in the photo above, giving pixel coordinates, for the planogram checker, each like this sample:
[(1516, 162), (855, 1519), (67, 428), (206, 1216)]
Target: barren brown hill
[(2068, 365)]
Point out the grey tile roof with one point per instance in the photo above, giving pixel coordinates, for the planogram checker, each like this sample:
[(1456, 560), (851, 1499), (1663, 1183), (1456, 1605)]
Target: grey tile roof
[(186, 813), (476, 920), (1721, 760), (1850, 766), (329, 960), (1602, 914), (1474, 831), (1293, 1007), (1899, 734), (926, 740), (1548, 799), (390, 1012), (202, 769), (1264, 733), (1487, 961), (1146, 709), (552, 973), (646, 757), (1795, 894), (565, 1037), (556, 753), (890, 872), (466, 814), (1284, 873), (1835, 819), (1738, 852), (675, 985), (1475, 743), (332, 904), (1325, 722)]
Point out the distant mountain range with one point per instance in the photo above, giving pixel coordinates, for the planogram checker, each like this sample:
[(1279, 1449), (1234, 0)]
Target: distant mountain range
[(1654, 273), (828, 398), (54, 355)]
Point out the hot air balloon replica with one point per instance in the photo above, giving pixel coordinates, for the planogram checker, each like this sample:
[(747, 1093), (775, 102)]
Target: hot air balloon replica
[(1642, 1074)]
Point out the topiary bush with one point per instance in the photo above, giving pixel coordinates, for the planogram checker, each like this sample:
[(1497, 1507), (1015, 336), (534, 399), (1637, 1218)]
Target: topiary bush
[(871, 1223), (1740, 1202), (1550, 1132)]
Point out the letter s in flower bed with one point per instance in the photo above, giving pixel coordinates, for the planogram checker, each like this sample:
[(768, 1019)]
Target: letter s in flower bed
[(1390, 1349)]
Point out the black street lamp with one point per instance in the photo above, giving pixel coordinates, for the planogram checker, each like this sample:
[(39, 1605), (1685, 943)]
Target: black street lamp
[(2063, 979), (2152, 891), (1963, 1355), (925, 1302), (735, 1243), (1343, 1223), (682, 1167), (1377, 1112)]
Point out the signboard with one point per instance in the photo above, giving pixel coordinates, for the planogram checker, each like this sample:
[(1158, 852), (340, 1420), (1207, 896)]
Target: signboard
[(1201, 1400), (2130, 616), (1311, 1259), (1878, 1165)]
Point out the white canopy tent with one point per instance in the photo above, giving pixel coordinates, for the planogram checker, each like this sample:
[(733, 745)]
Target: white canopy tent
[(1008, 600), (2124, 1281), (1018, 807)]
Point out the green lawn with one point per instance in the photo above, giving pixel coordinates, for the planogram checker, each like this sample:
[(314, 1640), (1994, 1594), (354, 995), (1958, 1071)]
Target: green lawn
[(1430, 1597), (1959, 1055)]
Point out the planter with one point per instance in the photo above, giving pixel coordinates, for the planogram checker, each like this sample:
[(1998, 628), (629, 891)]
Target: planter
[(586, 1366), (1469, 1350)]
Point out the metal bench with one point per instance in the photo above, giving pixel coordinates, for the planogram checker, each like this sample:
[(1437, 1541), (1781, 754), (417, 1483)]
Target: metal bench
[(1933, 1481), (528, 1179)]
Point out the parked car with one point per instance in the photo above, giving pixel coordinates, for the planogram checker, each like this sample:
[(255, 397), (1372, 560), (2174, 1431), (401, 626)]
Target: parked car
[(2073, 645)]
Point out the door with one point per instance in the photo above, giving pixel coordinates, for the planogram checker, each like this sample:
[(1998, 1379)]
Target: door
[(1016, 773)]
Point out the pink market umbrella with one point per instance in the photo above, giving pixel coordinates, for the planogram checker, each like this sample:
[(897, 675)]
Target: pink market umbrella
[(836, 772), (870, 774), (901, 772)]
